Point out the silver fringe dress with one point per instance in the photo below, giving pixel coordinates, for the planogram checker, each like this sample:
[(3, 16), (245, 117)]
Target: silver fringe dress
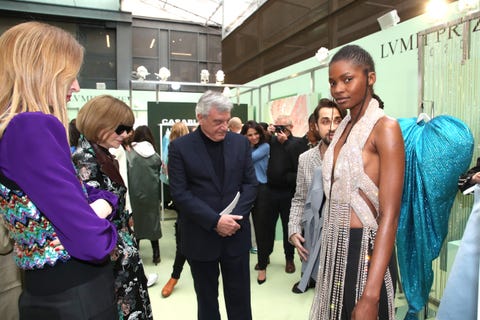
[(341, 196)]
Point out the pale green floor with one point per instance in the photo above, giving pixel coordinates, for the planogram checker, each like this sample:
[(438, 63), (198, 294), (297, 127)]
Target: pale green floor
[(272, 300)]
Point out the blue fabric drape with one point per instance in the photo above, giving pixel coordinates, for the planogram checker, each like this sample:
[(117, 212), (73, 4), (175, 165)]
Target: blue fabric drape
[(436, 152)]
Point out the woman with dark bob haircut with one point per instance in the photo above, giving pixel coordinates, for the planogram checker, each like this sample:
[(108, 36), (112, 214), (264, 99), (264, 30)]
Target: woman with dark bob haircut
[(105, 122)]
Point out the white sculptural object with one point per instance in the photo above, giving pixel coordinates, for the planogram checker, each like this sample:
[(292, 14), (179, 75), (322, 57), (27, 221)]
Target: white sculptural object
[(142, 73), (204, 76), (163, 74)]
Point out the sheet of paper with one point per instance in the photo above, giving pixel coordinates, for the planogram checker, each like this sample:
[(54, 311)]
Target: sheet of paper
[(228, 209)]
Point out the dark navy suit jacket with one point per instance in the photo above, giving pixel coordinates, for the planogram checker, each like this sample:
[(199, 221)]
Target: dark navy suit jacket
[(199, 197)]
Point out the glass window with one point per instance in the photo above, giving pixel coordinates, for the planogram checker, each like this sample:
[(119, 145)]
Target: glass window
[(184, 53), (183, 45), (202, 47), (145, 42), (100, 55), (214, 46), (184, 71)]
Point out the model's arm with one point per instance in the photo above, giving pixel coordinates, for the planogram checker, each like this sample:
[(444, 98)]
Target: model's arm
[(35, 155), (390, 147)]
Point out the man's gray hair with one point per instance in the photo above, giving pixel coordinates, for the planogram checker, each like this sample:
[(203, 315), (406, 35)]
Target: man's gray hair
[(213, 99)]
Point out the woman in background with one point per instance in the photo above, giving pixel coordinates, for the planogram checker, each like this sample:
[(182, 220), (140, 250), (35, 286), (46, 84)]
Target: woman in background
[(104, 123), (178, 129), (42, 200), (73, 135), (144, 188), (264, 229)]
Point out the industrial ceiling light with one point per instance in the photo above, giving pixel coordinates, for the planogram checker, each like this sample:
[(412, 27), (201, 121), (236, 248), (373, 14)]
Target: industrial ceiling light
[(388, 20), (219, 77), (437, 9), (163, 74)]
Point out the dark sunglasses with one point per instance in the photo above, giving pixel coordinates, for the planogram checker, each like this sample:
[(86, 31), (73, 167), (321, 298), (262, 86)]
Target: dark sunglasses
[(122, 128)]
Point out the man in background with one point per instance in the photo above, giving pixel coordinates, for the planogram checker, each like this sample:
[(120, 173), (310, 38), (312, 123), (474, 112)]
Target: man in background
[(282, 175), (327, 116), (235, 124)]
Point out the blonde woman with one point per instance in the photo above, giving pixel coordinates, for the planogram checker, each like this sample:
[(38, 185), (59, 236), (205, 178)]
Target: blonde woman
[(41, 199)]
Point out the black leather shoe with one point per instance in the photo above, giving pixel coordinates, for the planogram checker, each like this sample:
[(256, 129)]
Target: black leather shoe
[(290, 266), (264, 273), (311, 284), (295, 288)]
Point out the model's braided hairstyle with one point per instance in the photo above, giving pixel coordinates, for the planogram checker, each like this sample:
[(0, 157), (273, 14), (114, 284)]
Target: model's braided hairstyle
[(360, 57)]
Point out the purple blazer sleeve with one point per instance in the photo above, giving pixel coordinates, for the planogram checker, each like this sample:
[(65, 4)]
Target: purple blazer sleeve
[(34, 153)]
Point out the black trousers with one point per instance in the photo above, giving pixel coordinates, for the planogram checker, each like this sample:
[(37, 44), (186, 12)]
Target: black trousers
[(94, 300), (236, 287), (179, 257), (264, 226), (280, 202)]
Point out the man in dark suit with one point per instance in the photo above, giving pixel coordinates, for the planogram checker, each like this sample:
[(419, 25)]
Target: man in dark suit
[(207, 169)]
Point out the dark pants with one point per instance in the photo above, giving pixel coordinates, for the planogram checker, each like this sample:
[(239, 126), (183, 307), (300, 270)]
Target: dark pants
[(349, 292), (94, 300), (236, 287), (179, 257), (264, 225), (280, 201)]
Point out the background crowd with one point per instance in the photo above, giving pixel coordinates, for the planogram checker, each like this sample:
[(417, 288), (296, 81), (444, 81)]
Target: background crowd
[(76, 208)]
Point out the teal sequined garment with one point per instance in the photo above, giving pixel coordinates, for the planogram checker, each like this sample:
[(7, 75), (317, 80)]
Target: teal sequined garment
[(30, 229), (436, 153)]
